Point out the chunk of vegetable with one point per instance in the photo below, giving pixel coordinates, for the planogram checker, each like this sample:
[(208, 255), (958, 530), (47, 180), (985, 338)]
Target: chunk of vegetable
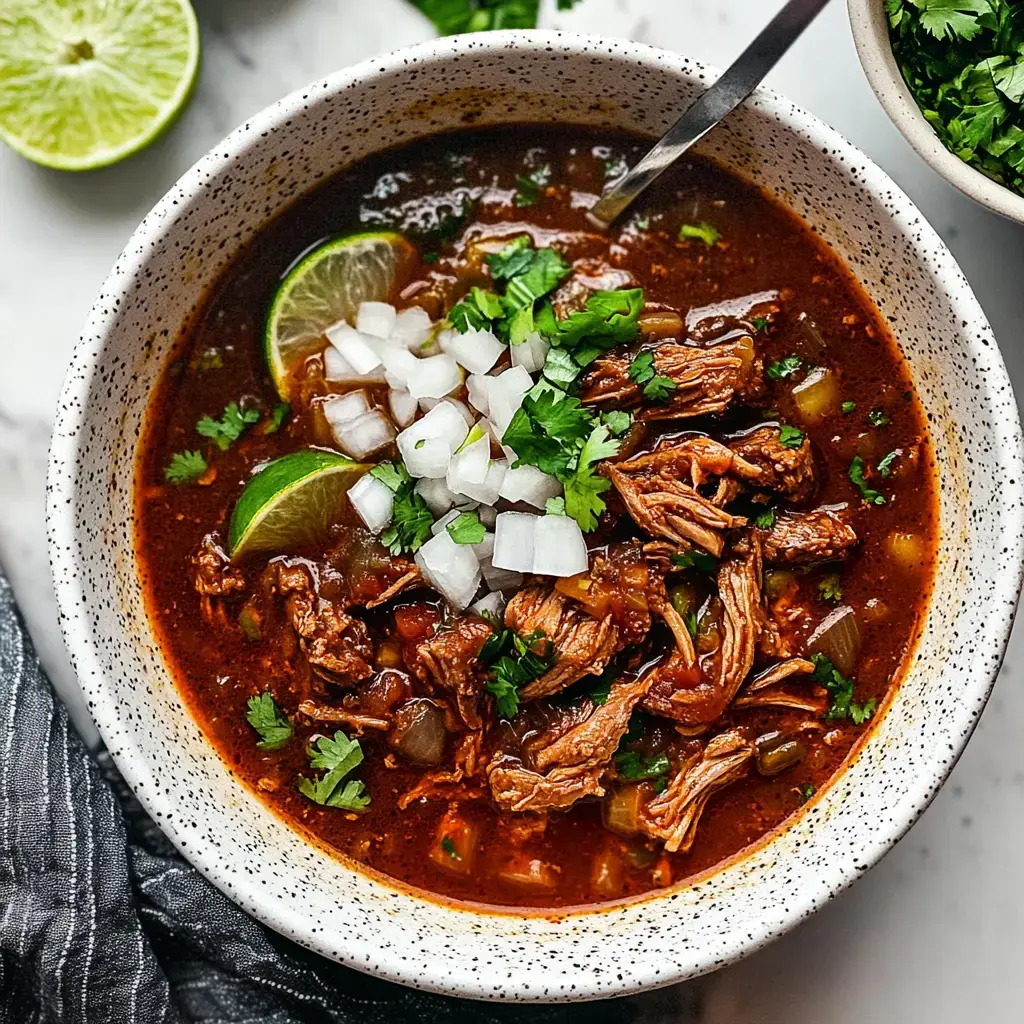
[(907, 550), (377, 319), (477, 351), (505, 395), (529, 484), (838, 638), (412, 327), (470, 463), (434, 491), (365, 435), (477, 387), (621, 809), (341, 409), (817, 395), (400, 366), (373, 501), (418, 733), (337, 370), (775, 752), (513, 541), (356, 348), (403, 407), (487, 492), (530, 354), (434, 377), (606, 873), (496, 578), (441, 430), (455, 844), (558, 547), (451, 569), (491, 607), (525, 872)]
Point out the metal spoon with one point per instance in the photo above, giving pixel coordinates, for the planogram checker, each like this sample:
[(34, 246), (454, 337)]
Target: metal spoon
[(735, 85)]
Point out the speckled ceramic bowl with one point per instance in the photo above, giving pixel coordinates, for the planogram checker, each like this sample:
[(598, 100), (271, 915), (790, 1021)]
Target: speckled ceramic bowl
[(256, 858), (870, 27)]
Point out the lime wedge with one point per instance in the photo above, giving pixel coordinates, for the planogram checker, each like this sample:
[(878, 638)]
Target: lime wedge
[(86, 83), (292, 502), (327, 286)]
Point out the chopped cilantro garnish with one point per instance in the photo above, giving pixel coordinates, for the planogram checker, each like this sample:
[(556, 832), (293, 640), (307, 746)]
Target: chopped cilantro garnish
[(869, 494), (848, 407), (230, 427), (878, 418), (602, 689), (560, 368), (209, 359), (840, 690), (411, 519), (642, 222), (467, 529), (961, 60), (655, 386), (617, 422), (785, 367), (765, 520), (269, 721), (338, 757), (760, 323), (555, 506), (513, 661), (583, 487), (705, 231), (806, 793), (277, 418), (528, 186), (185, 467), (609, 319), (885, 465), (454, 16), (448, 845), (702, 561), (830, 588), (790, 437), (631, 765), (476, 311)]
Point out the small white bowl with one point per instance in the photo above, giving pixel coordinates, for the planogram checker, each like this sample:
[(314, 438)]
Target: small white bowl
[(368, 922), (871, 35)]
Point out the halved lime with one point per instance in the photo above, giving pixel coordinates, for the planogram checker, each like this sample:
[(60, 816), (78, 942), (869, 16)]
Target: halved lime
[(327, 286), (86, 83), (292, 502)]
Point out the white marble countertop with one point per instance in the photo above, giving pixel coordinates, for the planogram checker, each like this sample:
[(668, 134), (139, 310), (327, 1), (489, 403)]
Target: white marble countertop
[(933, 932)]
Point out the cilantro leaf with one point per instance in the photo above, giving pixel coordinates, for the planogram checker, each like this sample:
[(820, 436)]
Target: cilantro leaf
[(269, 721), (760, 324), (476, 311), (641, 369), (610, 318), (840, 690), (448, 845), (454, 16), (878, 418), (514, 661), (765, 520), (338, 757), (528, 186), (785, 367), (951, 18), (411, 519), (848, 407), (702, 561), (885, 465), (560, 368), (583, 489), (631, 765), (512, 260), (617, 422), (185, 467), (856, 474), (705, 231), (555, 506), (790, 437), (277, 418), (659, 388), (229, 428), (467, 529), (830, 588)]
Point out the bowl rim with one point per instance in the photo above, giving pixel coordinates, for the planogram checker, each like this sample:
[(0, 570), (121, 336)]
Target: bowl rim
[(874, 50), (70, 579)]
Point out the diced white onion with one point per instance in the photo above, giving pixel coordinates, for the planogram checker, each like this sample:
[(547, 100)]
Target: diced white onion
[(513, 541), (338, 370), (358, 350), (377, 319), (530, 355), (442, 523), (436, 494), (341, 409), (426, 404), (451, 569), (485, 549), (529, 484), (477, 351), (467, 413), (373, 501), (428, 457), (401, 366), (434, 377), (412, 327), (403, 407), (365, 435), (444, 424), (488, 515), (558, 547), (487, 492), (491, 607), (505, 395), (500, 579), (469, 464), (477, 386)]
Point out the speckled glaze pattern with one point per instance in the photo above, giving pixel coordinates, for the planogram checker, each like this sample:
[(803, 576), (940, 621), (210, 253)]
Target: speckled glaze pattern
[(266, 866)]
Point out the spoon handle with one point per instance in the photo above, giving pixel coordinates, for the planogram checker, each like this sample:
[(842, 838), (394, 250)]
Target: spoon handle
[(731, 89)]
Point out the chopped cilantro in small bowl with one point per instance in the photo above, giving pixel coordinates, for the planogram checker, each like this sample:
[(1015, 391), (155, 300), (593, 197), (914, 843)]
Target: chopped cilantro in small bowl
[(950, 75)]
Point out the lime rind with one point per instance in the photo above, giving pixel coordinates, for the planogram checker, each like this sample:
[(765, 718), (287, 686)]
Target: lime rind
[(327, 286), (84, 86), (292, 502)]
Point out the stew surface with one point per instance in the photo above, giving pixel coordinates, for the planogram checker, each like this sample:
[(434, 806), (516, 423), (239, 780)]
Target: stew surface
[(727, 438)]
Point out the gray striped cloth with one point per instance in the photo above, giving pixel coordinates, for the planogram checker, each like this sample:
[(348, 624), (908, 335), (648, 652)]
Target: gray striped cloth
[(101, 922)]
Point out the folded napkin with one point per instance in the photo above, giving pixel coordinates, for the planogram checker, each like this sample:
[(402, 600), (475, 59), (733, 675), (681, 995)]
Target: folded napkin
[(101, 922)]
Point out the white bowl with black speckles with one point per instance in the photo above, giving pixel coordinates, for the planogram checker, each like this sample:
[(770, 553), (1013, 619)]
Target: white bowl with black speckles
[(257, 859), (870, 25)]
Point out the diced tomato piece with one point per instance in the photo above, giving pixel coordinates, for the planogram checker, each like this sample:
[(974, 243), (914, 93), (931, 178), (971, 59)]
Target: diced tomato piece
[(416, 621)]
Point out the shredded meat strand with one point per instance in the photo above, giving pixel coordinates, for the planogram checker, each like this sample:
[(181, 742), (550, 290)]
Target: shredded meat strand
[(412, 580), (449, 662), (809, 538), (788, 472)]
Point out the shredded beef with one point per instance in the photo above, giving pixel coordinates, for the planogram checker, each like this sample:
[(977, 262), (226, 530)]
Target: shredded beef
[(673, 816), (212, 575), (788, 472), (582, 645), (808, 538), (707, 380), (772, 688), (449, 663)]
